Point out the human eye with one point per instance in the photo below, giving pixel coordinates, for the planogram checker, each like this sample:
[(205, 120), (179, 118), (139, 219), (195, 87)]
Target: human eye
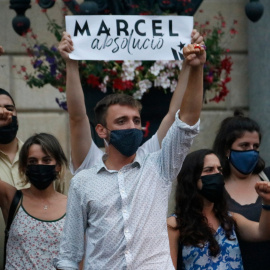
[(47, 160), (207, 170), (256, 146), (137, 121), (31, 161), (120, 121), (10, 108), (244, 146)]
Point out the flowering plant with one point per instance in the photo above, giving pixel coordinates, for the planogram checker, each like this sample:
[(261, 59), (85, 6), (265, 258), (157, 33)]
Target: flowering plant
[(218, 64), (131, 77)]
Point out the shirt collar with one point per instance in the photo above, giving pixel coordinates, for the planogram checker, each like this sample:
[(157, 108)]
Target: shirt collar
[(102, 167), (16, 158)]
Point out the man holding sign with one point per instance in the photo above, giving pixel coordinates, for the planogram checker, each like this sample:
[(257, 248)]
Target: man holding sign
[(120, 204), (84, 152)]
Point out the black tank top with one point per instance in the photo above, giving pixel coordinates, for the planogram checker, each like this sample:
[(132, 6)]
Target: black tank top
[(256, 256)]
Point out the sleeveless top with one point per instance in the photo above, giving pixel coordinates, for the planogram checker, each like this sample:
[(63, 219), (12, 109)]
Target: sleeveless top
[(254, 255), (33, 243), (200, 258)]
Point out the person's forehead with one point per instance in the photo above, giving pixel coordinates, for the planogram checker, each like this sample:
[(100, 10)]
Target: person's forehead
[(5, 100), (211, 159), (117, 109)]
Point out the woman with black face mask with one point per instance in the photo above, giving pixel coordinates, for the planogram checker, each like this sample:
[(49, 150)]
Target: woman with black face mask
[(202, 233), (34, 235), (237, 145)]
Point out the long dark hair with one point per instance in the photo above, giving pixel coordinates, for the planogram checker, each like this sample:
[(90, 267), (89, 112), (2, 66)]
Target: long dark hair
[(193, 225), (232, 128)]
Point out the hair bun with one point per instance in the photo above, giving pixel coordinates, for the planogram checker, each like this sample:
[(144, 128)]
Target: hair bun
[(238, 112)]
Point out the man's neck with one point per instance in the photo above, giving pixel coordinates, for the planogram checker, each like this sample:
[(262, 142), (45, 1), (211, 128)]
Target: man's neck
[(10, 149), (115, 160)]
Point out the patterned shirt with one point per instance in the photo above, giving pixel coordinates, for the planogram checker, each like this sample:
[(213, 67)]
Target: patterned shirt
[(122, 214), (32, 243), (200, 259)]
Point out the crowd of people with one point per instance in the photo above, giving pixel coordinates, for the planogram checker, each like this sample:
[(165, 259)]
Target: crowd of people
[(115, 214)]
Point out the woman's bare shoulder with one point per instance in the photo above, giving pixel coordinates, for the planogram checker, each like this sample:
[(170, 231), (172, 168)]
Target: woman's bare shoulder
[(171, 222)]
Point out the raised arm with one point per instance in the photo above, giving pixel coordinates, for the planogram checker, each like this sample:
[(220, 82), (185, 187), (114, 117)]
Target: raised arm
[(256, 231), (7, 193), (80, 132), (178, 93), (191, 106)]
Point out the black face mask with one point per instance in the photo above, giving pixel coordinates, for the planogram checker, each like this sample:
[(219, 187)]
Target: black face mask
[(9, 132), (212, 187), (126, 141), (41, 176)]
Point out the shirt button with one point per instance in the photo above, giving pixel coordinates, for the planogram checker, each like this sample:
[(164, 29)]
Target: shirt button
[(126, 231)]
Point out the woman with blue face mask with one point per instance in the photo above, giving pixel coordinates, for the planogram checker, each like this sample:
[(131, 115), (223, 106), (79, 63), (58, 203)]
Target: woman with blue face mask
[(202, 233), (34, 234), (237, 145)]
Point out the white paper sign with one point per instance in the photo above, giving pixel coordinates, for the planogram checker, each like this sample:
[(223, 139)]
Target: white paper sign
[(114, 37)]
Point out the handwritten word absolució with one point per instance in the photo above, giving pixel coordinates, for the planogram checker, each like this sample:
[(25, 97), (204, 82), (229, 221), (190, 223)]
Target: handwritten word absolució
[(123, 35)]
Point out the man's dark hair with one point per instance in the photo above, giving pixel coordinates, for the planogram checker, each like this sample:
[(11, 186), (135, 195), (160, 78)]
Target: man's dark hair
[(112, 99), (4, 92)]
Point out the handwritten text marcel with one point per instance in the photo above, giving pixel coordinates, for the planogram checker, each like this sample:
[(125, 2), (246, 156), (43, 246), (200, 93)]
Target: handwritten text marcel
[(127, 37)]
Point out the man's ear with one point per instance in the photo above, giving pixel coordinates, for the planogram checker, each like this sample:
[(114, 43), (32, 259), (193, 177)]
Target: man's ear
[(101, 131)]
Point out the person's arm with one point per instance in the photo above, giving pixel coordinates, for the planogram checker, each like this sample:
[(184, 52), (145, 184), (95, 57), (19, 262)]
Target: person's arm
[(73, 236), (80, 132), (191, 105), (7, 193), (178, 93), (179, 137), (256, 231), (174, 235)]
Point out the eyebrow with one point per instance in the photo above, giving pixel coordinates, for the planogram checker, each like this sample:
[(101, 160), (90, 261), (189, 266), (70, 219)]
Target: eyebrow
[(121, 118), (208, 167)]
